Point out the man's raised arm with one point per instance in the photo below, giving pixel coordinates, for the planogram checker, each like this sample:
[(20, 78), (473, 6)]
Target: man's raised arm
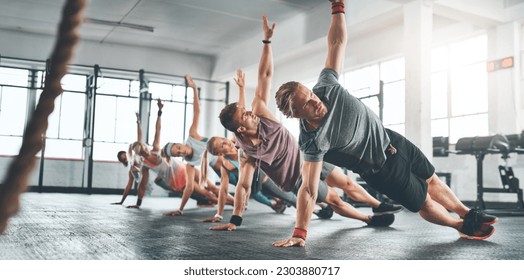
[(240, 81), (158, 126), (265, 73), (265, 67), (337, 37), (193, 129)]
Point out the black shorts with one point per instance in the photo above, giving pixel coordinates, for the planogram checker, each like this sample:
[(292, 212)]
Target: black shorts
[(404, 174)]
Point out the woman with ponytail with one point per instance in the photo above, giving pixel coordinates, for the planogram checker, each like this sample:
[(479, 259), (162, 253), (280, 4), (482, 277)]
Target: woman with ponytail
[(226, 163)]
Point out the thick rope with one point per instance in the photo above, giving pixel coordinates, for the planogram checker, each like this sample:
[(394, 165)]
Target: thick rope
[(20, 169)]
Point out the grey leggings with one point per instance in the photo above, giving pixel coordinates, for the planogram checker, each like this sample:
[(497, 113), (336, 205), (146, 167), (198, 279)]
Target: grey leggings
[(272, 189)]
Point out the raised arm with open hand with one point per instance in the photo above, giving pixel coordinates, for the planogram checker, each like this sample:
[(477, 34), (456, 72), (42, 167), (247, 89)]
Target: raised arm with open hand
[(240, 81), (265, 67), (265, 73), (138, 128), (158, 126)]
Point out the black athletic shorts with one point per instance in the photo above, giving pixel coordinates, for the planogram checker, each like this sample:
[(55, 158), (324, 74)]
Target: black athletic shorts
[(404, 174)]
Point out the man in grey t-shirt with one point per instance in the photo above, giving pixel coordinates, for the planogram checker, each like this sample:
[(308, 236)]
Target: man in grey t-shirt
[(270, 146), (336, 127)]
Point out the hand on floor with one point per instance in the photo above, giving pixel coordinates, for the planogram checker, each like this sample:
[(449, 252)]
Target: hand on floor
[(212, 220), (228, 227), (291, 242), (173, 213)]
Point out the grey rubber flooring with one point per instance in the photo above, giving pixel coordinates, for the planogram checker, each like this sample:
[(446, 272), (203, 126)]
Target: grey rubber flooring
[(81, 227)]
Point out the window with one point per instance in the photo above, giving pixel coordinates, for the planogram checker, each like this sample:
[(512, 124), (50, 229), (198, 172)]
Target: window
[(117, 86), (173, 128), (13, 106), (394, 105), (14, 76), (459, 92), (439, 95), (365, 82), (116, 106), (117, 101), (66, 124)]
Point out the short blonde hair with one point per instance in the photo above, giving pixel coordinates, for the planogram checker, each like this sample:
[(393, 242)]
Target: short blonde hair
[(283, 98)]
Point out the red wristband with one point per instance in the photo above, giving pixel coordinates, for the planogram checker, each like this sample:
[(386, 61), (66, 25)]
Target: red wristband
[(337, 8), (300, 233)]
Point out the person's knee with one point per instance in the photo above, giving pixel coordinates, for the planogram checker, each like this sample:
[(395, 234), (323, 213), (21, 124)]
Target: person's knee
[(333, 200), (433, 180), (424, 206), (350, 185)]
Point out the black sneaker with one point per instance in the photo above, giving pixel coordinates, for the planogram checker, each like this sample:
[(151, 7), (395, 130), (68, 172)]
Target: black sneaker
[(381, 220), (479, 217), (386, 208), (471, 230), (204, 203), (325, 213)]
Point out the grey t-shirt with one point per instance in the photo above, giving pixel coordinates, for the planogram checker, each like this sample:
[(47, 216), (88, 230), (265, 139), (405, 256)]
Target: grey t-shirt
[(198, 146), (351, 135)]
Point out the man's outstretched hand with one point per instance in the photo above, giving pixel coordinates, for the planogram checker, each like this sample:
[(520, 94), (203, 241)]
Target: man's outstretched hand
[(291, 242), (228, 227)]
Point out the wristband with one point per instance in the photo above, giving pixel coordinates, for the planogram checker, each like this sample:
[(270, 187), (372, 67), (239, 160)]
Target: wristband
[(337, 8), (159, 113), (181, 211), (218, 216), (236, 220), (139, 202), (266, 41), (300, 233)]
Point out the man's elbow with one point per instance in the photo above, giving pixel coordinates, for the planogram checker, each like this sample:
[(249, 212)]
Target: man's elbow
[(244, 186), (338, 42)]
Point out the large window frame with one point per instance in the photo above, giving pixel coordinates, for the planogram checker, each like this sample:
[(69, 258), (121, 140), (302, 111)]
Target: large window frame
[(113, 128), (457, 109)]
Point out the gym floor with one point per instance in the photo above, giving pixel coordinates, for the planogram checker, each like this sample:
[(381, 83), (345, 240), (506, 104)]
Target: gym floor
[(84, 227)]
